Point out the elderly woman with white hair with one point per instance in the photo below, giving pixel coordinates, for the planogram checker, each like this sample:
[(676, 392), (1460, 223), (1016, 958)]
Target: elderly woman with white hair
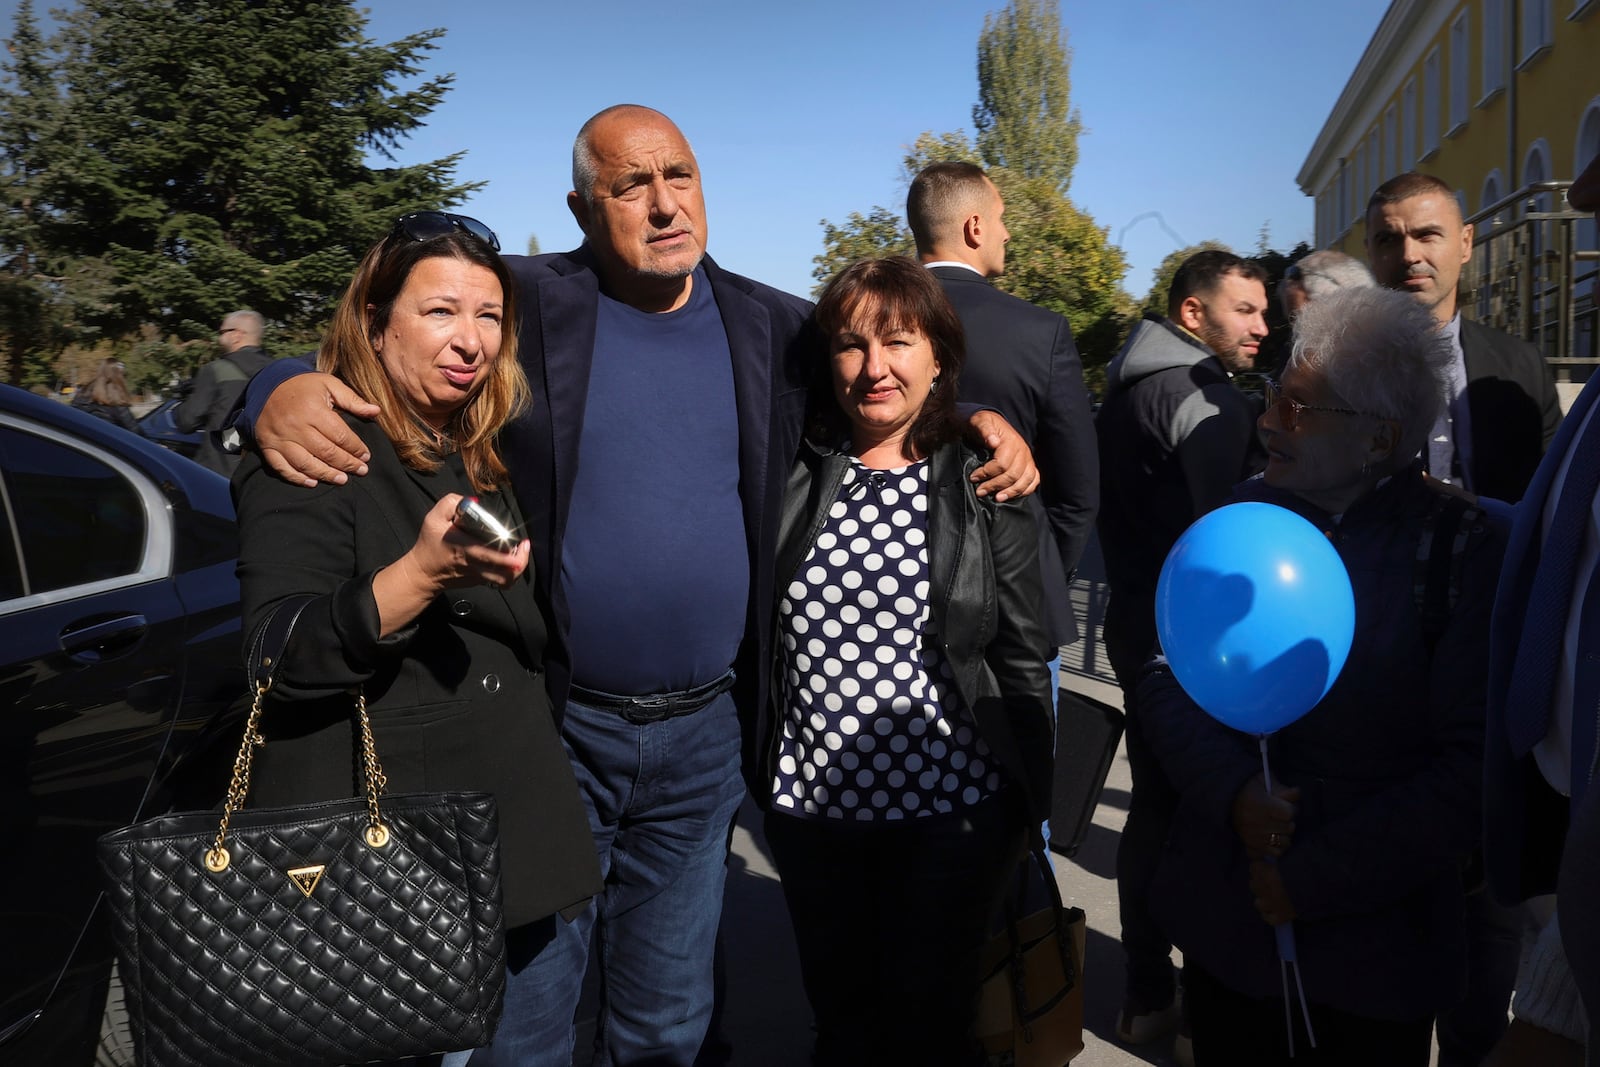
[(1377, 790)]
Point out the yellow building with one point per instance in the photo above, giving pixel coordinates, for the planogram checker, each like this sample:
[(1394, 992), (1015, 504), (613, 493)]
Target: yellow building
[(1501, 100)]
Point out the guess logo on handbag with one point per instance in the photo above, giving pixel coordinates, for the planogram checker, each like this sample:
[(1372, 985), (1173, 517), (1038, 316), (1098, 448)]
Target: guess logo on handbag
[(306, 878)]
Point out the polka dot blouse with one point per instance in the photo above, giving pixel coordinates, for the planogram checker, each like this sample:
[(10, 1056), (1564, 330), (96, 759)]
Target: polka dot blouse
[(872, 727)]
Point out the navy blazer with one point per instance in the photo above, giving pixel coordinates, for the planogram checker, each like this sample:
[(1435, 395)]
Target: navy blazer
[(1021, 360), (1515, 410), (1533, 842), (774, 348)]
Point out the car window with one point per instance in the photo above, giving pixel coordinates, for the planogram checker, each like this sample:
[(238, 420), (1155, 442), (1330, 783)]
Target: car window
[(74, 518)]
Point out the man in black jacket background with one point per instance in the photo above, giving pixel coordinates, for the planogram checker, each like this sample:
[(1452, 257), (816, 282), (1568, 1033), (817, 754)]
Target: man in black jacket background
[(1175, 436), (209, 405)]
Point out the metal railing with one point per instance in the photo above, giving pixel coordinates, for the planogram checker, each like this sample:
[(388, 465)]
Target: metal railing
[(1533, 272)]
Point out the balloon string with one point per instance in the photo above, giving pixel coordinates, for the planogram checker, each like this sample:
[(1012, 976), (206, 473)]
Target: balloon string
[(1285, 964), (1288, 1005)]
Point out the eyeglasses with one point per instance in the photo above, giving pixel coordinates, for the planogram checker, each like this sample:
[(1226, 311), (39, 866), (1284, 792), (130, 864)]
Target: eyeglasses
[(426, 225), (1289, 408)]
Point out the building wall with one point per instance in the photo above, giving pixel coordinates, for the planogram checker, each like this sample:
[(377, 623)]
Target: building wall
[(1553, 91)]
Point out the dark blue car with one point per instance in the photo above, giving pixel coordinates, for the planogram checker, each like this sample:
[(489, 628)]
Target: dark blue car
[(119, 664)]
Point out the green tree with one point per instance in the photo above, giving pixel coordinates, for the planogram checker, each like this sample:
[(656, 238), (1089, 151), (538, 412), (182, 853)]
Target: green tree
[(533, 244), (880, 232), (1024, 118), (28, 114), (1027, 143), (214, 154)]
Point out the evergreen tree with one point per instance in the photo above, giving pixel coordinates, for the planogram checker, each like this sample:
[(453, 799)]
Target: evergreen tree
[(213, 155), (28, 113), (1023, 116)]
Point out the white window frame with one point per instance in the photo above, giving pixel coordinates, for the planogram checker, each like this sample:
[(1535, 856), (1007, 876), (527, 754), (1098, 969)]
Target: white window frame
[(1391, 142), (1408, 125), (1492, 67), (1537, 31), (1460, 41), (1432, 105)]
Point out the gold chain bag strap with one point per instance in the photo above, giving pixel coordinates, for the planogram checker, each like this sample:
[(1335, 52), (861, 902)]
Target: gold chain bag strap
[(328, 933)]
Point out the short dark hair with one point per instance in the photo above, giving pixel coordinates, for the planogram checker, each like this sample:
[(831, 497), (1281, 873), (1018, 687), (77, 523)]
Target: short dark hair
[(1203, 272), (1405, 186), (896, 292), (937, 196)]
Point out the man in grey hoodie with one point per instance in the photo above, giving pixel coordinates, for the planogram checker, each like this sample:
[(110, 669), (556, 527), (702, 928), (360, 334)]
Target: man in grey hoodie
[(1175, 436)]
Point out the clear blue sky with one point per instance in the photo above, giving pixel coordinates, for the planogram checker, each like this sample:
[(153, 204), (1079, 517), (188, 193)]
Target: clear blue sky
[(1201, 113)]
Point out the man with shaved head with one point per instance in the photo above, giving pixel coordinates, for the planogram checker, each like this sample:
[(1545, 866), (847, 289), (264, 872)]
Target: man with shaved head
[(216, 388), (1503, 410), (1022, 360)]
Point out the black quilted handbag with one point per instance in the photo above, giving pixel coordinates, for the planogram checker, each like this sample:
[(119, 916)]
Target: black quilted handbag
[(341, 932)]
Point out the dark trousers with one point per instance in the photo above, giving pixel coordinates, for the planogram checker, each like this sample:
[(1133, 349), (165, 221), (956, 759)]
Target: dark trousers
[(889, 920), (1494, 945), (1232, 1030), (1151, 803)]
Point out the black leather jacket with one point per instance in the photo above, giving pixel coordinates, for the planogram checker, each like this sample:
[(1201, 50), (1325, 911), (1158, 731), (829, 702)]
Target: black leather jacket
[(983, 562)]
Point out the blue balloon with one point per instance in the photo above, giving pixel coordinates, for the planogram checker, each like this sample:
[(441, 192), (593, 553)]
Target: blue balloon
[(1255, 612)]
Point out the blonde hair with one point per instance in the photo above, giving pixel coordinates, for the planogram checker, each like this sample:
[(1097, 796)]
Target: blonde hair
[(363, 314)]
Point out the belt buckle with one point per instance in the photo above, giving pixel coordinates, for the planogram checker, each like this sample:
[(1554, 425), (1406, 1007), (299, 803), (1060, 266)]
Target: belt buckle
[(645, 710)]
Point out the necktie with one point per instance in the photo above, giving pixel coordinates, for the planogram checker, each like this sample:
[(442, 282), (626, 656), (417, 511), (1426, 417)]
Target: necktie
[(1550, 602)]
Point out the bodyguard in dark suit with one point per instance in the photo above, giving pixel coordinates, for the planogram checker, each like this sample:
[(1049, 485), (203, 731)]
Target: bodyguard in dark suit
[(1503, 411), (1501, 415), (1021, 360), (1513, 407)]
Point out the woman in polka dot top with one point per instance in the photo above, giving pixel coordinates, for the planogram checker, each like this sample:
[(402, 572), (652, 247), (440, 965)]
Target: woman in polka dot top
[(911, 748)]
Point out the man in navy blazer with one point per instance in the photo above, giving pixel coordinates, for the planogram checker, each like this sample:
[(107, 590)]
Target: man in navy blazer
[(1541, 807), (1504, 409), (1501, 414), (1021, 360)]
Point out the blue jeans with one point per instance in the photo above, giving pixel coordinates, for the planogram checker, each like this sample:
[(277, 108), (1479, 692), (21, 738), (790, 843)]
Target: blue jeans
[(661, 798)]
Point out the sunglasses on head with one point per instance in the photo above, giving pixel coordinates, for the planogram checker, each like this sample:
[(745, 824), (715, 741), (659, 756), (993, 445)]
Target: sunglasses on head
[(426, 225), (1289, 409)]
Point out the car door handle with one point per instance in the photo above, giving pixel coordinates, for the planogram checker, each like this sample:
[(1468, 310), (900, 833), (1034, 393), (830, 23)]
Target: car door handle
[(102, 640)]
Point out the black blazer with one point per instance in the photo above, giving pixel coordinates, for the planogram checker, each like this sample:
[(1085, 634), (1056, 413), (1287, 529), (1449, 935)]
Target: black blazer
[(1021, 361), (1511, 395), (774, 348), (456, 698)]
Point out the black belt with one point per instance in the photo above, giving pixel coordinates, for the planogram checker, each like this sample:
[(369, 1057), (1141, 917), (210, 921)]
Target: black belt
[(655, 706)]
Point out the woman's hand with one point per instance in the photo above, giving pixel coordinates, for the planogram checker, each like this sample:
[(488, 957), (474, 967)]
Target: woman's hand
[(444, 557), (1265, 823), (1271, 897)]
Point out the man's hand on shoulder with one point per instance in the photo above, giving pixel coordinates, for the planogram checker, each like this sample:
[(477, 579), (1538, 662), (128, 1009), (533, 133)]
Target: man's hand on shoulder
[(1011, 473), (302, 438)]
